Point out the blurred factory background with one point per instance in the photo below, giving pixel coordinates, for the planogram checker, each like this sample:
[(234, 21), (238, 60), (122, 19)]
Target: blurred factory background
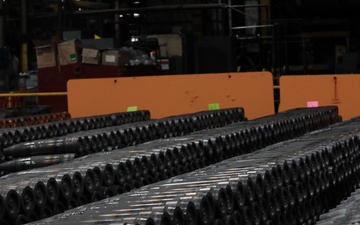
[(155, 37)]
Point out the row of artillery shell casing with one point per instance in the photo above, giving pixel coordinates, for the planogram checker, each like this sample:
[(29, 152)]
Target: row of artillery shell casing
[(94, 177), (293, 182), (23, 134), (33, 119), (117, 137), (16, 135), (112, 137), (13, 136)]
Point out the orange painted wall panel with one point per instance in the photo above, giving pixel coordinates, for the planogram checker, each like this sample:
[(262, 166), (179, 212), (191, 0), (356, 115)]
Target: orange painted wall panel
[(173, 94), (338, 89)]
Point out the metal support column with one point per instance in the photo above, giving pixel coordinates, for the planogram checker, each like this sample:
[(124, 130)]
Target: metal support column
[(60, 14), (117, 19), (24, 38), (230, 17), (1, 25)]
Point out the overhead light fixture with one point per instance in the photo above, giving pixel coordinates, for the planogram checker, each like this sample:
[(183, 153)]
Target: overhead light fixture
[(136, 15)]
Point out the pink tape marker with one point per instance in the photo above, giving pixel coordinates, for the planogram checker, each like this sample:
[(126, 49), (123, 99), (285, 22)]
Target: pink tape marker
[(312, 104)]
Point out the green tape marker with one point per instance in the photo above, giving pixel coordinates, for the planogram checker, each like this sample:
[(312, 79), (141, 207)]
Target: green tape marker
[(214, 106), (132, 108), (73, 58)]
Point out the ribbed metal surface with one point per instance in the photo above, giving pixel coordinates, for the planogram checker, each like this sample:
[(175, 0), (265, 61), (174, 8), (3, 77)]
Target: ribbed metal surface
[(347, 213), (293, 182), (94, 177)]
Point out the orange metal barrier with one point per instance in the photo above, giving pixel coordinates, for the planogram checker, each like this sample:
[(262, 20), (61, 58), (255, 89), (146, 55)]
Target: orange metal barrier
[(173, 94), (320, 90)]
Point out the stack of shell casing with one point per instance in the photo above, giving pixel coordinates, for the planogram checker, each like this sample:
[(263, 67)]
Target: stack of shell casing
[(12, 136), (347, 213), (292, 182), (101, 175), (33, 120), (113, 137)]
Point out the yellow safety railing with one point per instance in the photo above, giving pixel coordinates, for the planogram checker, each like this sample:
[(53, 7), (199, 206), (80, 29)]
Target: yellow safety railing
[(11, 95), (32, 94)]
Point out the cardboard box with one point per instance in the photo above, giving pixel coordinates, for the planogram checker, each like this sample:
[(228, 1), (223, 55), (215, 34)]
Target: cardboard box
[(69, 52), (71, 35), (45, 53), (77, 34), (90, 56), (170, 44), (115, 57), (103, 43)]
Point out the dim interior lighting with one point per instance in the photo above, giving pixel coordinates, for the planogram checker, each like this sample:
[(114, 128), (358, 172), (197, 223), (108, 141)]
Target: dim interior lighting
[(137, 2), (121, 15), (136, 15), (79, 9)]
